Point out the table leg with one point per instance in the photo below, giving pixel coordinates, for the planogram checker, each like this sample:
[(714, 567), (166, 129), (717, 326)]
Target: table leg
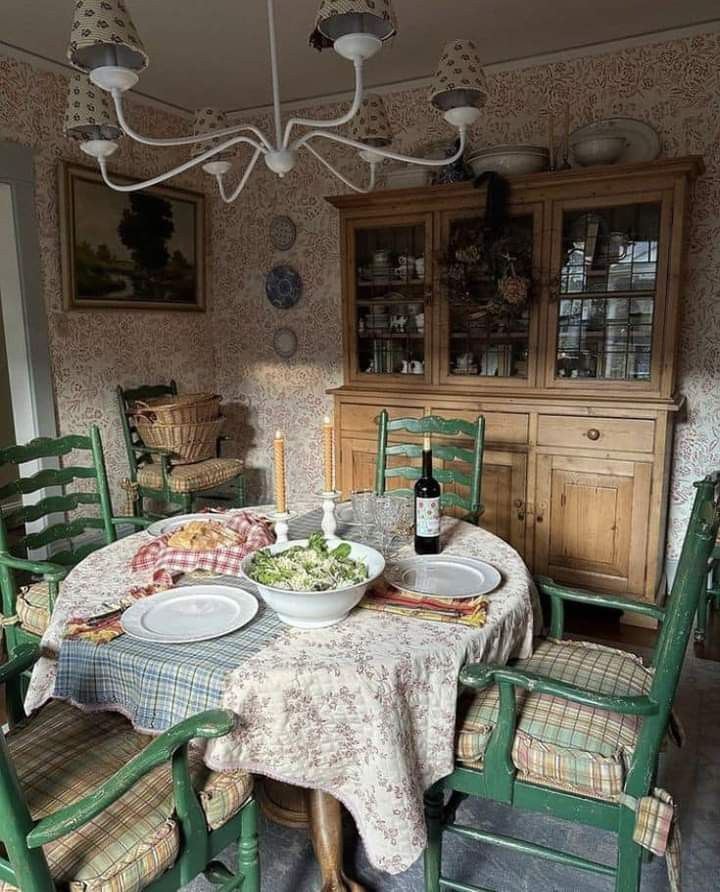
[(326, 834)]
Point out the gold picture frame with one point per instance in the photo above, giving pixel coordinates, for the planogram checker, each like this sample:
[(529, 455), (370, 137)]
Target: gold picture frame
[(141, 250)]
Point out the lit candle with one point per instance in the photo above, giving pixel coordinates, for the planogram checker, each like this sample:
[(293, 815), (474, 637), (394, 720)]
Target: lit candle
[(279, 447), (327, 432)]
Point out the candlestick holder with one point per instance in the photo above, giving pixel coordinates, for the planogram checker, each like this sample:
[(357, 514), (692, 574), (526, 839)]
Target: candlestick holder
[(329, 521), (280, 523)]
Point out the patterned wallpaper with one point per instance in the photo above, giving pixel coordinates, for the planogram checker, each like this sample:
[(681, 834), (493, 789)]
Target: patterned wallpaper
[(94, 351), (673, 85)]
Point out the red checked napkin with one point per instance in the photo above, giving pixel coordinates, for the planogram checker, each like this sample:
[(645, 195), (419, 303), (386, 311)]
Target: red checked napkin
[(166, 562)]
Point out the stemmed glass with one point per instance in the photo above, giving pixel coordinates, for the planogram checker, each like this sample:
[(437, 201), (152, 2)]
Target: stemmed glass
[(389, 512), (363, 508)]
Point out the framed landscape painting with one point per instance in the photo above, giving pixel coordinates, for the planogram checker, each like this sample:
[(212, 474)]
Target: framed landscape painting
[(131, 250)]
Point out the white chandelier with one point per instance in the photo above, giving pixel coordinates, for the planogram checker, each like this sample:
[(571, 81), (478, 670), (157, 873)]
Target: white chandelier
[(105, 45)]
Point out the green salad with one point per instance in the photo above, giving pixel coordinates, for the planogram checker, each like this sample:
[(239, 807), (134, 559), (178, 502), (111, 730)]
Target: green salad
[(308, 568)]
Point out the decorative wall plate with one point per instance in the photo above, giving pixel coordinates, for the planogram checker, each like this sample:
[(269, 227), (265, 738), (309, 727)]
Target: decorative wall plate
[(283, 232), (283, 286), (285, 342)]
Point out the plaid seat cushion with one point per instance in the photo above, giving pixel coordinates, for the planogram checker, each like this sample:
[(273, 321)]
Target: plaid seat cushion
[(191, 478), (561, 744), (32, 608), (63, 754)]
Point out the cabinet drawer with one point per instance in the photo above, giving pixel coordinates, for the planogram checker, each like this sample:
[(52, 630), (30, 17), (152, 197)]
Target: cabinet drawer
[(362, 419), (615, 434), (500, 427)]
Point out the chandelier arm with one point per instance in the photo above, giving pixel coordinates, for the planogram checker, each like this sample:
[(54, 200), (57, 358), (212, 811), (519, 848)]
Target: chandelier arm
[(340, 176), (241, 185), (384, 153), (181, 168), (181, 140), (332, 122)]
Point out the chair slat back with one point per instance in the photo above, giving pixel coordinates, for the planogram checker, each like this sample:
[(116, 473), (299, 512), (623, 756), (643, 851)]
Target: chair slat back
[(460, 470), (127, 397), (690, 578), (61, 502)]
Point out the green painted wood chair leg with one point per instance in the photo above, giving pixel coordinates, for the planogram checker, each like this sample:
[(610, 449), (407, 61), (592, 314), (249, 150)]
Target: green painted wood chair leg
[(434, 800), (248, 856)]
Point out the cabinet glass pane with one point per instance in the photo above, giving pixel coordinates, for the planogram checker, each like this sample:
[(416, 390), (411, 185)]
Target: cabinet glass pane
[(390, 299), (487, 284), (607, 292)]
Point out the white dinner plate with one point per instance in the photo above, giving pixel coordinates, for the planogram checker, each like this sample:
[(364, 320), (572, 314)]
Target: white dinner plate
[(444, 576), (170, 524), (642, 142), (190, 613)]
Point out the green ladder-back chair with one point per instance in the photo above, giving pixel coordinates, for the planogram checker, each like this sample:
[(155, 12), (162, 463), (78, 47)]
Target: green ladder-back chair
[(469, 482), (87, 802), (549, 733), (153, 477), (709, 597), (68, 534)]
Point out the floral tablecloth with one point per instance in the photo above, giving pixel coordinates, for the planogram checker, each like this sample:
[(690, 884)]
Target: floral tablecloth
[(363, 710)]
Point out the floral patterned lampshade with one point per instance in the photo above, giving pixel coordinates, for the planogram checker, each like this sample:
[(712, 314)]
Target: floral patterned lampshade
[(88, 114), (459, 80), (104, 34), (207, 120), (336, 18), (370, 125)]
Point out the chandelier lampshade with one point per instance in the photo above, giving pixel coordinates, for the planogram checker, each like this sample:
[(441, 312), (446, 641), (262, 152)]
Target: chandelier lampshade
[(103, 35), (370, 125), (207, 120), (459, 80), (88, 114), (339, 18)]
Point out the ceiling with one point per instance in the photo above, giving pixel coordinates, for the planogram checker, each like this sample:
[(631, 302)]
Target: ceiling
[(215, 52)]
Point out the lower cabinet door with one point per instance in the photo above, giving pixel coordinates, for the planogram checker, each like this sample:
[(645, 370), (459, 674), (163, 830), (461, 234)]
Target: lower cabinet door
[(591, 522)]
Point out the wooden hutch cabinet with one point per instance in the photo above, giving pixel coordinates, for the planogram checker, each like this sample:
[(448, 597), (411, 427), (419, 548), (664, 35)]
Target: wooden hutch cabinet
[(577, 382)]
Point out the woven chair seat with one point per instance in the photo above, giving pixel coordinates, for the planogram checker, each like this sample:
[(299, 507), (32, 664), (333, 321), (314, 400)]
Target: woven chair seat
[(192, 478), (561, 744), (33, 608), (63, 754)]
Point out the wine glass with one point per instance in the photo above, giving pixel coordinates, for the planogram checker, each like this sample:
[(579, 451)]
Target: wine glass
[(389, 510), (363, 508)]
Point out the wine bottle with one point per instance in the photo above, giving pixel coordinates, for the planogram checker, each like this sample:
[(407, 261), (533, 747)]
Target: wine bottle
[(427, 506)]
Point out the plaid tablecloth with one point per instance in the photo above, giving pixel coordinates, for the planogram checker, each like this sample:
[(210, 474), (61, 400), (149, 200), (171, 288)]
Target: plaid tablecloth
[(364, 710)]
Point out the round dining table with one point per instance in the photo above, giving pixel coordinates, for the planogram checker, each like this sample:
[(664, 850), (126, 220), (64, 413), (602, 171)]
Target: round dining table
[(360, 713)]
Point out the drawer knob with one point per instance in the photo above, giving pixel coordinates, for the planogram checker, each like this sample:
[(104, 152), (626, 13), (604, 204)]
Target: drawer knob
[(593, 434)]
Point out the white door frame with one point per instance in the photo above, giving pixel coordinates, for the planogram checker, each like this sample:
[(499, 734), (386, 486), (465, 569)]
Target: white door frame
[(22, 304)]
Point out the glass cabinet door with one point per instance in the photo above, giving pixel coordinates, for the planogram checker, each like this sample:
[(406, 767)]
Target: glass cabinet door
[(390, 273), (606, 306), (487, 285)]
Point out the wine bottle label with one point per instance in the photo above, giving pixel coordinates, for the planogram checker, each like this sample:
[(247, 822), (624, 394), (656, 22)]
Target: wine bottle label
[(427, 521)]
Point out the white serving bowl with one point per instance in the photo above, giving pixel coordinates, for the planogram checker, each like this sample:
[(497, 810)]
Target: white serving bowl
[(510, 160), (598, 149), (315, 610)]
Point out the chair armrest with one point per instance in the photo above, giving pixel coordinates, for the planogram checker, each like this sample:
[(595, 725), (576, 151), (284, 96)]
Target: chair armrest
[(49, 571), (141, 522), (480, 675), (209, 724), (560, 593), (23, 658)]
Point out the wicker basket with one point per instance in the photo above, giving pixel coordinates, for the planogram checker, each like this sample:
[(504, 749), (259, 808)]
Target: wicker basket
[(185, 408), (189, 443)]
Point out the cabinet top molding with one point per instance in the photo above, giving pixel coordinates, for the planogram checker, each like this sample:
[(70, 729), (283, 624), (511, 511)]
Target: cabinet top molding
[(690, 166)]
